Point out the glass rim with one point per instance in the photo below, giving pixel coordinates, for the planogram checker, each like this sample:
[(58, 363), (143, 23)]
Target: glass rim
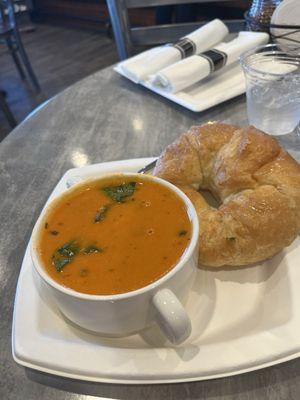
[(243, 58)]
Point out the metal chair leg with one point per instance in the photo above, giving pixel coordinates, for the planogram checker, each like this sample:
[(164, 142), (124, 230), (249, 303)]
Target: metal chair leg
[(13, 52), (120, 24), (7, 112), (26, 62)]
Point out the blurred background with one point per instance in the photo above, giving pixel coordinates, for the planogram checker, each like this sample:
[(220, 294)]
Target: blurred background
[(67, 40)]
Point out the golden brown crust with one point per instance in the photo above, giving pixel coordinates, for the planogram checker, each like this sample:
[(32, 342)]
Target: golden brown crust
[(256, 181)]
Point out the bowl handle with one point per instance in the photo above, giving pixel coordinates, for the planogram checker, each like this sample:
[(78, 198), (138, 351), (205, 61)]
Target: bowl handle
[(171, 317)]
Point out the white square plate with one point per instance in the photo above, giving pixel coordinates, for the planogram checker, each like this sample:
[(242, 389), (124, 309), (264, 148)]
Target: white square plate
[(215, 89), (243, 319)]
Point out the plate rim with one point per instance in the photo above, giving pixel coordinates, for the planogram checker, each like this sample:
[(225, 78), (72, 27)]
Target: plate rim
[(36, 367)]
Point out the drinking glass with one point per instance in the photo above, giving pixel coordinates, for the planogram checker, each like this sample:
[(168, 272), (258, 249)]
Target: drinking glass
[(272, 75)]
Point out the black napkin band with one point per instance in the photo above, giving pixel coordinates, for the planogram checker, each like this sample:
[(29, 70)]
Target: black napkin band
[(186, 47), (217, 59)]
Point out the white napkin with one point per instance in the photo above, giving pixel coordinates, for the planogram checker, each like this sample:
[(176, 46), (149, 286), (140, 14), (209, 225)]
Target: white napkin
[(193, 69), (149, 62)]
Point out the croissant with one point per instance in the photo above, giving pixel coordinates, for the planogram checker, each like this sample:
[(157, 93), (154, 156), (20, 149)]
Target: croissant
[(255, 182)]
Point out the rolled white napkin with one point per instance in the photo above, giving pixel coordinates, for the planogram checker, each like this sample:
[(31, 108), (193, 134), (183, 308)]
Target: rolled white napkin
[(186, 72), (139, 67)]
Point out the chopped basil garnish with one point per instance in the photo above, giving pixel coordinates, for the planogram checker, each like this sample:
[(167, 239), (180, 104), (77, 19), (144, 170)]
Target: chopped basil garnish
[(59, 263), (120, 192), (91, 249), (69, 249), (101, 214), (66, 253)]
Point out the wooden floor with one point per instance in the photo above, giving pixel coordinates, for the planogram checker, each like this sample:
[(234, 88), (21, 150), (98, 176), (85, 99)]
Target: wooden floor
[(60, 57)]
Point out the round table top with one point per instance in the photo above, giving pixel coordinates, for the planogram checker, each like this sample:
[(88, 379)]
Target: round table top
[(102, 118)]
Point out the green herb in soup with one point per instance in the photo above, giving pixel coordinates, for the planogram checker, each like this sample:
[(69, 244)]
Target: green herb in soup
[(66, 253), (123, 245), (101, 214), (60, 262), (91, 249), (118, 193), (69, 249)]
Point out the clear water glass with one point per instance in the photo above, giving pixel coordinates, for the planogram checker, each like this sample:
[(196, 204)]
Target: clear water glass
[(272, 75)]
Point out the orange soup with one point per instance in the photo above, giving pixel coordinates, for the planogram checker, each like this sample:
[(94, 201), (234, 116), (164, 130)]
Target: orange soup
[(114, 235)]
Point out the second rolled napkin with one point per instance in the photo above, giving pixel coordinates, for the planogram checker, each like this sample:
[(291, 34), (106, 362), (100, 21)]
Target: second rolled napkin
[(185, 73), (149, 62)]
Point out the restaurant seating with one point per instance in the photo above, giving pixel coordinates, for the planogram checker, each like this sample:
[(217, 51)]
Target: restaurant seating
[(9, 35), (127, 37)]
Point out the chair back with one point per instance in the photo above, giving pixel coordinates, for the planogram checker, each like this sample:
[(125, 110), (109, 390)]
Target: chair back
[(127, 37)]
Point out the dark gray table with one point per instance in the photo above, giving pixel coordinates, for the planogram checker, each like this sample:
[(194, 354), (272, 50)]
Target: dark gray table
[(101, 118)]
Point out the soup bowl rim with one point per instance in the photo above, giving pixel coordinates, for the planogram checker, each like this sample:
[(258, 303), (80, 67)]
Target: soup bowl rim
[(188, 253)]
